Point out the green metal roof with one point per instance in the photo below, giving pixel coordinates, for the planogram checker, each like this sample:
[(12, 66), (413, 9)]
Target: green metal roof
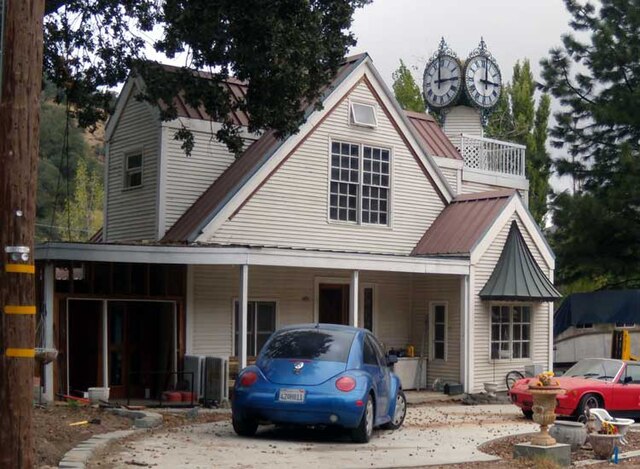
[(517, 276)]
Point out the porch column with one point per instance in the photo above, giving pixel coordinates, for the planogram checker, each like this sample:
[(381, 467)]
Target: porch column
[(105, 344), (353, 298), (465, 333), (244, 309), (49, 284)]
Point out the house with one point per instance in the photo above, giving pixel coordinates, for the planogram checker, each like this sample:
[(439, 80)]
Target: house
[(368, 216), (584, 324)]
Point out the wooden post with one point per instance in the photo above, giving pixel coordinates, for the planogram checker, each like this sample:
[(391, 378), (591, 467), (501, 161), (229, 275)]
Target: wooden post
[(19, 145)]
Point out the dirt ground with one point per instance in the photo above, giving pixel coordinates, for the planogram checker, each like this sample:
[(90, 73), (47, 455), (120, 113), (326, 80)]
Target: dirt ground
[(54, 436)]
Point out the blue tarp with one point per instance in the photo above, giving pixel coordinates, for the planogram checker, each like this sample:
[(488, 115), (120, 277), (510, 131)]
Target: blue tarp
[(600, 307)]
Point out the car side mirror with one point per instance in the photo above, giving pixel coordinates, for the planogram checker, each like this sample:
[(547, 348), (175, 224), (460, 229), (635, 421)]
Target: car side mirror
[(627, 379), (392, 359)]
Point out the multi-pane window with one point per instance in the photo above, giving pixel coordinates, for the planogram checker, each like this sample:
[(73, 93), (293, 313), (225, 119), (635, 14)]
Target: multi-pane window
[(261, 323), (368, 308), (360, 181), (439, 326), (133, 170), (510, 332)]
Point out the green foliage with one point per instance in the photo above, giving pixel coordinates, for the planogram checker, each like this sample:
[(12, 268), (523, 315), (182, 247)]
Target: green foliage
[(286, 50), (517, 119), (83, 211), (406, 90), (597, 81)]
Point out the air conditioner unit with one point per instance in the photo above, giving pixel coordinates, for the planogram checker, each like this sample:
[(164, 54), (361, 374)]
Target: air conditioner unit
[(216, 380), (194, 364)]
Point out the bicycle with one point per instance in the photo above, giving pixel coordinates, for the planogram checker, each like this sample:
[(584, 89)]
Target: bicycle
[(515, 375)]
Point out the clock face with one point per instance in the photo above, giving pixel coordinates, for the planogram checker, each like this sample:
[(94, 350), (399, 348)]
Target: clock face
[(483, 81), (442, 81)]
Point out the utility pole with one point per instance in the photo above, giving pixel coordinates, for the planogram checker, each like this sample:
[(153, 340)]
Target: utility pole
[(19, 146)]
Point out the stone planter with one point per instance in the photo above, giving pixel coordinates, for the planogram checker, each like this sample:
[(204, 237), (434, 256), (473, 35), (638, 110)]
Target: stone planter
[(603, 445), (544, 406), (571, 433)]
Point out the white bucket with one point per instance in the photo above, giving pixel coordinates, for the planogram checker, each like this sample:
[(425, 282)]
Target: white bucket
[(98, 394)]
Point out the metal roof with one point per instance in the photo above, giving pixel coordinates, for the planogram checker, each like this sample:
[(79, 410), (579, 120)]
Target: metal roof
[(462, 223), (431, 136), (517, 275)]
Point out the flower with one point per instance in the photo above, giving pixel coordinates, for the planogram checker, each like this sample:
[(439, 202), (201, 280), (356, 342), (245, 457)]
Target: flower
[(545, 379), (608, 429)]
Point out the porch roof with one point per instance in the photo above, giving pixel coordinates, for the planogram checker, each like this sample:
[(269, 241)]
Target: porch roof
[(517, 275), (248, 255)]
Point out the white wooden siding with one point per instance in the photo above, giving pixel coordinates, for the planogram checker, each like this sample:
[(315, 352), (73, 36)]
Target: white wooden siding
[(188, 177), (215, 288), (469, 187), (485, 369), (462, 120), (131, 214), (444, 289), (290, 209), (451, 175)]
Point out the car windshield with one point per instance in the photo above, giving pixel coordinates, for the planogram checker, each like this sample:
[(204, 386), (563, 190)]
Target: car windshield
[(595, 369), (310, 344)]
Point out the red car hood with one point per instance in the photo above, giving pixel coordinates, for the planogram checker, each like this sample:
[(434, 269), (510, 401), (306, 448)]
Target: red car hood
[(565, 383)]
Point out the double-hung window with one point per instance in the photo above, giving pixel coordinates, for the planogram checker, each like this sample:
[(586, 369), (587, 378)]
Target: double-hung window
[(261, 323), (133, 170), (359, 184), (510, 332)]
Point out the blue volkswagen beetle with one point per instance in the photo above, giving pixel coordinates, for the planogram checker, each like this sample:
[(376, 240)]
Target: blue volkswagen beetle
[(320, 374)]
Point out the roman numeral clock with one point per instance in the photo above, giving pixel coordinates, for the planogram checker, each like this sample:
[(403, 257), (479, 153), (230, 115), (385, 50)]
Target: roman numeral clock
[(450, 83)]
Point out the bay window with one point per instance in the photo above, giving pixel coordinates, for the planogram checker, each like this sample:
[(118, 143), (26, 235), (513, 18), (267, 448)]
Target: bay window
[(510, 332)]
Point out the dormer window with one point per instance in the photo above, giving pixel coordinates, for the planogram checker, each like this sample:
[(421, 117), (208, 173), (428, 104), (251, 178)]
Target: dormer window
[(133, 170), (364, 115)]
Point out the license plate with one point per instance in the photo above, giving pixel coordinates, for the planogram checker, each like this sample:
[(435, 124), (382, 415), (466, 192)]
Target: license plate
[(291, 395)]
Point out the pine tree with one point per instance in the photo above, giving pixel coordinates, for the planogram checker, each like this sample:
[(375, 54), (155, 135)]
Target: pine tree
[(597, 81), (406, 90), (517, 119)]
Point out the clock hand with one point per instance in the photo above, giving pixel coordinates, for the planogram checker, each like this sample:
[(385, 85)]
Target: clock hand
[(486, 71), (446, 79), (438, 80), (487, 82)]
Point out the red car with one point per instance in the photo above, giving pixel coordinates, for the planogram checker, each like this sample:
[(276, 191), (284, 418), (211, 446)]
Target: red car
[(592, 382)]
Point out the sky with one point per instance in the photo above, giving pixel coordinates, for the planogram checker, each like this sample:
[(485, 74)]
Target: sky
[(390, 30)]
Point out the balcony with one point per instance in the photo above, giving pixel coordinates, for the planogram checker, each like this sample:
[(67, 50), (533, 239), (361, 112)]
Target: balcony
[(490, 155)]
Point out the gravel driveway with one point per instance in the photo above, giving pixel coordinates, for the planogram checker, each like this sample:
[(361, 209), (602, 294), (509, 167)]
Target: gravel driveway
[(430, 435)]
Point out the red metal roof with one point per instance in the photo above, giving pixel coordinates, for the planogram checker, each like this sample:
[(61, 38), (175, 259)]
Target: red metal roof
[(196, 217), (463, 223), (432, 136)]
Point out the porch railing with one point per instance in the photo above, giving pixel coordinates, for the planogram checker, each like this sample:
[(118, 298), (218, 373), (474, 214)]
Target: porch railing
[(491, 155)]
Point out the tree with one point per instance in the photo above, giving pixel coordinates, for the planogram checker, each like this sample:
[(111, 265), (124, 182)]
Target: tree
[(83, 212), (597, 82), (406, 90), (517, 119), (286, 50)]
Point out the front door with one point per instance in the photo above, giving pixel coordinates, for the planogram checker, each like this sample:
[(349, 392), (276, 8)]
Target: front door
[(333, 303)]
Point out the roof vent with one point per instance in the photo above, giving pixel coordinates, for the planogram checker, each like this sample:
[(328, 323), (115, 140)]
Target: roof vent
[(364, 115)]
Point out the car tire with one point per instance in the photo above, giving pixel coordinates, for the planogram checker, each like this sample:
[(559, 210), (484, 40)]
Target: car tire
[(400, 412), (362, 433), (589, 400), (528, 414), (244, 426)]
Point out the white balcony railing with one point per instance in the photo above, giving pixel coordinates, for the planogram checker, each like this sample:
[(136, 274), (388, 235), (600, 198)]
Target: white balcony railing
[(491, 155)]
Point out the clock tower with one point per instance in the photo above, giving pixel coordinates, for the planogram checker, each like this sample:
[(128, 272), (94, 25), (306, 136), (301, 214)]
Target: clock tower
[(462, 94)]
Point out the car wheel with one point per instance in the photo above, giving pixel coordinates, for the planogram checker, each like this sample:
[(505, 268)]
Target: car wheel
[(244, 426), (362, 434), (528, 414), (588, 401), (399, 413)]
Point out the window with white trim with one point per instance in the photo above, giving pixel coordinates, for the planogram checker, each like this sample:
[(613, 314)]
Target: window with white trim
[(363, 115), (510, 332), (261, 323), (359, 184), (133, 170), (439, 327)]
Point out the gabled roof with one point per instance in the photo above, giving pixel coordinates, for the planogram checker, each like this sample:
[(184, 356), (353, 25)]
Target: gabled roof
[(431, 136), (517, 276), (229, 182), (463, 223)]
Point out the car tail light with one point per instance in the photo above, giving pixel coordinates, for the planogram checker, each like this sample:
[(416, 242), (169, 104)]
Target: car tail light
[(346, 384), (248, 379)]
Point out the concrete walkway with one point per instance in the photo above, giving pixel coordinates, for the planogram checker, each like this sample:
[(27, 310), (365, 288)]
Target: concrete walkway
[(431, 435)]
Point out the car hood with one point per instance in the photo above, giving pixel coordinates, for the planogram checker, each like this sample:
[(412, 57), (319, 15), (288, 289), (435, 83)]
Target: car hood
[(565, 383), (293, 372)]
